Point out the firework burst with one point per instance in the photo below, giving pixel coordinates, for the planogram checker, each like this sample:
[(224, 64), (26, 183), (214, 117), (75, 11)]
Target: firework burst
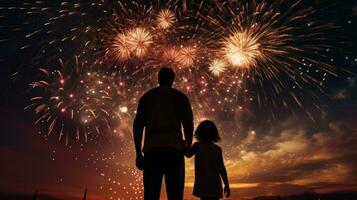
[(79, 103), (165, 19), (186, 56), (120, 47), (270, 45), (217, 67), (139, 41), (241, 50), (133, 43)]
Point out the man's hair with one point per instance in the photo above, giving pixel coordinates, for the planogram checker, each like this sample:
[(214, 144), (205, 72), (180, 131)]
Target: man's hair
[(207, 132), (166, 76)]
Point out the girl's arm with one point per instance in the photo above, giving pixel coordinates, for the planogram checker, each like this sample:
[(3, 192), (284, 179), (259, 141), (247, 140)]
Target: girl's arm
[(224, 176)]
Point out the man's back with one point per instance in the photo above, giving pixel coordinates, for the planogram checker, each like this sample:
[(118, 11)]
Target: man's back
[(162, 110)]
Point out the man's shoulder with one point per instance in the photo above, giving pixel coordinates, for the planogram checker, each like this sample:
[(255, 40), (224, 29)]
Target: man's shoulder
[(160, 91), (217, 147), (149, 93), (179, 93)]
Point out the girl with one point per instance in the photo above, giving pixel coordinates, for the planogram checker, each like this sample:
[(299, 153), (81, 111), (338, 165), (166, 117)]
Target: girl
[(209, 166)]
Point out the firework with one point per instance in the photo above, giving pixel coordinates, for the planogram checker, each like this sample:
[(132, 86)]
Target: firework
[(169, 55), (165, 19), (241, 50), (227, 43), (186, 56), (78, 103), (270, 46), (120, 47), (139, 41), (224, 51), (217, 67), (133, 43)]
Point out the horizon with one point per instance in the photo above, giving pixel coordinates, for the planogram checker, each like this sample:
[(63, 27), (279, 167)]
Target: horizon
[(88, 196)]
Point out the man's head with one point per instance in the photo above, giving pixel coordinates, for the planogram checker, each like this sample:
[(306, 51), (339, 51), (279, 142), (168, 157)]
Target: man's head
[(166, 76)]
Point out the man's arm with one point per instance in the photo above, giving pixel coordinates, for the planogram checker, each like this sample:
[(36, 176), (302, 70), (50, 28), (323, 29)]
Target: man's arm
[(187, 122), (138, 136), (138, 128)]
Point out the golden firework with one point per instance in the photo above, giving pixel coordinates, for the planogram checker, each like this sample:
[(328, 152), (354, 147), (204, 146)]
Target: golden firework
[(139, 40), (217, 67), (121, 47), (165, 19), (186, 56), (241, 49), (169, 54)]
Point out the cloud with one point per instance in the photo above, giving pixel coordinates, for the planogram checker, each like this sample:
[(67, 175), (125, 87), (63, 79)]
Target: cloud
[(297, 157)]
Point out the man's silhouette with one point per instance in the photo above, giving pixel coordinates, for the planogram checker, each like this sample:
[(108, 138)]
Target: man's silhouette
[(163, 111)]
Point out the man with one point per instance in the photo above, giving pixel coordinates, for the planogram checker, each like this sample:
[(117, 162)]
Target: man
[(163, 111)]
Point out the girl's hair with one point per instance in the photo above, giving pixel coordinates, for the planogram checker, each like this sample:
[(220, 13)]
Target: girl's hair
[(207, 132)]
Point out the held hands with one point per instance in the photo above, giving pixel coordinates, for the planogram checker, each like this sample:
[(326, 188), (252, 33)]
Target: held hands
[(227, 191), (188, 150), (139, 162)]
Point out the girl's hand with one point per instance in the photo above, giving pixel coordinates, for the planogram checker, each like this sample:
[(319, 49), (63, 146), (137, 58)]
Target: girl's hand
[(227, 191), (188, 150)]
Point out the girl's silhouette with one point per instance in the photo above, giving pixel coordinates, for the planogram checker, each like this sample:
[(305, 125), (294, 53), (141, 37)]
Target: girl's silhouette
[(209, 166)]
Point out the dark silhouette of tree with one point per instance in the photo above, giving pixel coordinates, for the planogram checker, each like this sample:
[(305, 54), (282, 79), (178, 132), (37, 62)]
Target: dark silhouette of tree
[(35, 195), (85, 194)]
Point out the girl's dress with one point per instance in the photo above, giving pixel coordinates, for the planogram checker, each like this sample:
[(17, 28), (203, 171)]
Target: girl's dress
[(208, 162)]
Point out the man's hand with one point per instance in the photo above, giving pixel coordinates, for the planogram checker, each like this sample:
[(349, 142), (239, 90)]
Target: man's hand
[(227, 191), (188, 149), (139, 162), (188, 152)]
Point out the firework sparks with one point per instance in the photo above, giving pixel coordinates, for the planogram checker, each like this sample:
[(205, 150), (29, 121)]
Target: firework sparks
[(82, 104), (121, 47), (139, 41), (258, 47), (133, 43), (217, 67), (169, 55), (241, 50), (261, 38), (165, 19), (250, 37), (186, 56)]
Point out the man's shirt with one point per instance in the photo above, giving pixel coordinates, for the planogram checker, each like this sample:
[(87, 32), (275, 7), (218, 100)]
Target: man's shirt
[(161, 111)]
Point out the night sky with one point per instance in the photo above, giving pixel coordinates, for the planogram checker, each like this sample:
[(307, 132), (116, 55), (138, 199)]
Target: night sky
[(285, 103)]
